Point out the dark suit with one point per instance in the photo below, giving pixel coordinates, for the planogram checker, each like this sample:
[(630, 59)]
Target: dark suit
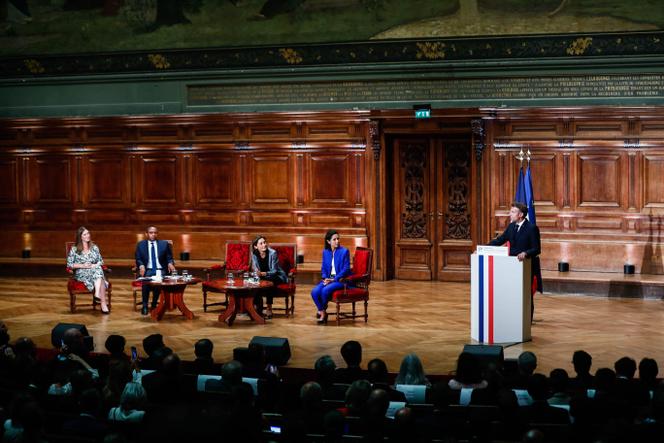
[(164, 256), (526, 239)]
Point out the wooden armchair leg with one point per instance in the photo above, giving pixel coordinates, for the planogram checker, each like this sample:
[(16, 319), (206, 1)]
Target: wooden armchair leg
[(366, 311), (354, 311), (286, 299), (204, 300), (338, 315), (109, 294), (72, 302), (292, 304), (135, 305)]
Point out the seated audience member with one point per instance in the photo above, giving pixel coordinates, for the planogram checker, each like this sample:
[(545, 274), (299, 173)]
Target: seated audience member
[(132, 405), (333, 423), (405, 427), (119, 374), (356, 399), (648, 371), (204, 363), (351, 351), (13, 426), (583, 380), (411, 372), (559, 381), (27, 372), (490, 396), (165, 384), (540, 411), (115, 345), (526, 365), (377, 376), (87, 424), (150, 344), (231, 377), (70, 359), (376, 425), (631, 394), (468, 373), (325, 370), (6, 352), (311, 411)]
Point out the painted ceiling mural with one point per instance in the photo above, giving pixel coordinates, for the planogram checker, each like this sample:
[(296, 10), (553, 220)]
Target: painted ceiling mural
[(35, 34)]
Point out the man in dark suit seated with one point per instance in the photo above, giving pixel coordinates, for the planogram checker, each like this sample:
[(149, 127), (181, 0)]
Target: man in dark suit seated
[(166, 383), (524, 239), (153, 258)]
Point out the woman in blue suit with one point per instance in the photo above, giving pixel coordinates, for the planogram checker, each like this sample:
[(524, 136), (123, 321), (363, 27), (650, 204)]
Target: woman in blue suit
[(336, 265)]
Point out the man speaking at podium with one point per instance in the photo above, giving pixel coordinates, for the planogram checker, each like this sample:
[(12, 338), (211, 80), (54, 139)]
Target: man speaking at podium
[(524, 242)]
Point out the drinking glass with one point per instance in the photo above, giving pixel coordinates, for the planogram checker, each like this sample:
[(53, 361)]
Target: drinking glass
[(185, 275), (229, 276)]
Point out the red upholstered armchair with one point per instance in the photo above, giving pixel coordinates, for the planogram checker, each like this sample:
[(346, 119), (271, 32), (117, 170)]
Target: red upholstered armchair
[(137, 286), (356, 285), (287, 253), (75, 287), (238, 260)]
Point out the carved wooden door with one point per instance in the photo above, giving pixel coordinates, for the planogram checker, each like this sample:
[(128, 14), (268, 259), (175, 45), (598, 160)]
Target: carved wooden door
[(432, 238), (415, 183)]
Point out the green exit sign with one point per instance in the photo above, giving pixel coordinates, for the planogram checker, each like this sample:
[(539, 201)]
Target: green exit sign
[(422, 113)]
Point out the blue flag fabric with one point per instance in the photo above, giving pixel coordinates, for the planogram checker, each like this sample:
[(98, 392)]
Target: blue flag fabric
[(530, 199), (520, 196)]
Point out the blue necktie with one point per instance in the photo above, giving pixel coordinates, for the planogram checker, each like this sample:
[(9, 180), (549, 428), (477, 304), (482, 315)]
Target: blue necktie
[(154, 255)]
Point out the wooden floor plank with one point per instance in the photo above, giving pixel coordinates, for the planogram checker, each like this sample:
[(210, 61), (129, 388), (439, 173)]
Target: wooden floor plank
[(428, 318)]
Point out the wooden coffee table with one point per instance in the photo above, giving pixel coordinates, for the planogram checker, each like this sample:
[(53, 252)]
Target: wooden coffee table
[(172, 296), (241, 299)]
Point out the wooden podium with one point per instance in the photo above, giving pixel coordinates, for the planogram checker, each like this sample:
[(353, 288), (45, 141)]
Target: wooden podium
[(500, 298)]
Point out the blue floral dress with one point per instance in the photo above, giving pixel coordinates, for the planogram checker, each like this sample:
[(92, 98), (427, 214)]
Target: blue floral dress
[(87, 276)]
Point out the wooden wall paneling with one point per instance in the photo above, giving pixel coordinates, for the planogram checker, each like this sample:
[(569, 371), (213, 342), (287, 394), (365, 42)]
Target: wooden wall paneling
[(159, 178), (9, 181), (52, 179), (271, 183), (653, 184), (106, 180), (329, 179), (599, 179), (598, 129), (215, 179)]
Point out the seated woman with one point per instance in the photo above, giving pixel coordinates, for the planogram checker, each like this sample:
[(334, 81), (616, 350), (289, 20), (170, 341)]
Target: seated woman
[(265, 262), (336, 265), (411, 372), (86, 261), (132, 405), (468, 373)]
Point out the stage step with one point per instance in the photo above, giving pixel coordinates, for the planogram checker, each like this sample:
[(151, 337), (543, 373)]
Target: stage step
[(606, 284)]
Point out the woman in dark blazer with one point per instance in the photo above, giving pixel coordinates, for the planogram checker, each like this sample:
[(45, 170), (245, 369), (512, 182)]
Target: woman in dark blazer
[(265, 262), (336, 265)]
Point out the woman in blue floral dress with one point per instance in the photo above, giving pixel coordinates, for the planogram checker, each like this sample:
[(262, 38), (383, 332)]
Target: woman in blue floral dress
[(86, 261)]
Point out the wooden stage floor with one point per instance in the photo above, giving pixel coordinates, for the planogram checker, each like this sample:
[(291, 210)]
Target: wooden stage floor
[(428, 318)]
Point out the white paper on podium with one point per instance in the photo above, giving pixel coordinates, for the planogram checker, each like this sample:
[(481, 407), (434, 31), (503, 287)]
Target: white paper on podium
[(492, 250)]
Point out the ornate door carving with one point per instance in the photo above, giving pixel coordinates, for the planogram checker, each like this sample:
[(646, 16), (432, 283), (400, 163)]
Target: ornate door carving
[(432, 217)]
